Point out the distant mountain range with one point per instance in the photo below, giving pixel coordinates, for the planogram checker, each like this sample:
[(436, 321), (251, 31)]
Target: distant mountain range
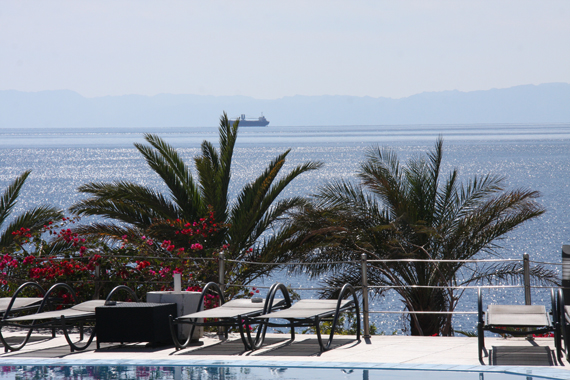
[(521, 104)]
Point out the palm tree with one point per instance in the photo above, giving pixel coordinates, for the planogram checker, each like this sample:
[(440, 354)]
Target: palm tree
[(245, 219), (33, 219), (411, 212)]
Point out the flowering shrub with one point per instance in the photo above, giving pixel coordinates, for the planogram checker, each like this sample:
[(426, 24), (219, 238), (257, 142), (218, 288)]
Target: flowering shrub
[(93, 268)]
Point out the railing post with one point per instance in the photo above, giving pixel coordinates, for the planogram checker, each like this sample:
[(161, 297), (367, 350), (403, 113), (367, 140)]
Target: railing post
[(222, 272), (221, 281), (365, 316), (526, 269)]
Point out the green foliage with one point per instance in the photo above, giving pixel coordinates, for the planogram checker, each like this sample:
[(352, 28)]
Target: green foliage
[(411, 211), (57, 254), (131, 209), (33, 219)]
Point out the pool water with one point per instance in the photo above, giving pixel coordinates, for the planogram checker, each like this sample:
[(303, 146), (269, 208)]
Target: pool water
[(241, 373)]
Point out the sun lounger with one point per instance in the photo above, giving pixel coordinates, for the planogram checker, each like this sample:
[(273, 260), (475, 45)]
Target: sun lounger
[(17, 304), (233, 313), (517, 320), (75, 316), (310, 313)]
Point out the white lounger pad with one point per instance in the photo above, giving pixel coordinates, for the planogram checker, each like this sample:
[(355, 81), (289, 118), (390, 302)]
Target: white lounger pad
[(517, 315), (18, 302), (83, 309), (307, 309), (231, 309)]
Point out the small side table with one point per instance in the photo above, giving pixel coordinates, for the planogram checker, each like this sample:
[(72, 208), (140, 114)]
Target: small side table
[(134, 322), (186, 303)]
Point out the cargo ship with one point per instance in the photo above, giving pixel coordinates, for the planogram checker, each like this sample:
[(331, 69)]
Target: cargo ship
[(259, 122)]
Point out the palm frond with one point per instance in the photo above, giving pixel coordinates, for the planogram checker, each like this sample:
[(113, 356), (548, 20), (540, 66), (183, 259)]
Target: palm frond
[(382, 175), (126, 202), (255, 199), (208, 166), (108, 233), (10, 196), (165, 161), (481, 229), (33, 219), (513, 273)]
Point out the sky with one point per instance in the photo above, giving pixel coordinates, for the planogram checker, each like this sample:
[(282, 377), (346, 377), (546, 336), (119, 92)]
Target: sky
[(273, 49)]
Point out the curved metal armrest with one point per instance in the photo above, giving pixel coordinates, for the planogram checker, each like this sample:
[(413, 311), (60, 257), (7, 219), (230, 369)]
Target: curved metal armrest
[(560, 307), (118, 288), (18, 291), (349, 290), (554, 311), (480, 306), (214, 286), (270, 298)]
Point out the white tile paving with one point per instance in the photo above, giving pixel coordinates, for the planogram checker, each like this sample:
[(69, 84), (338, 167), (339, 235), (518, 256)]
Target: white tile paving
[(386, 352)]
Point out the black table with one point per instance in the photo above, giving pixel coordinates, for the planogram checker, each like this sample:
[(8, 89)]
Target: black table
[(134, 322)]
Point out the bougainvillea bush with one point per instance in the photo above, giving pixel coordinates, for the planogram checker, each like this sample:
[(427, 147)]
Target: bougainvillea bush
[(93, 266)]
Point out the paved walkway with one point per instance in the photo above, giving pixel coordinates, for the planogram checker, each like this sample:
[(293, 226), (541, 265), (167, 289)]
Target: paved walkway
[(399, 352)]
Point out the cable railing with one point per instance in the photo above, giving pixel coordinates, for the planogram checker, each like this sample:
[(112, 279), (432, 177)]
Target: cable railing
[(364, 265), (365, 288)]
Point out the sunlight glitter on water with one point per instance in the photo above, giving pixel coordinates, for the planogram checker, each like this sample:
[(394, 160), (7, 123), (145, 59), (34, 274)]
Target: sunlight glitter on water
[(531, 157)]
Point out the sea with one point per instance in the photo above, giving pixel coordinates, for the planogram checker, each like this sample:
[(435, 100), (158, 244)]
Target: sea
[(529, 156)]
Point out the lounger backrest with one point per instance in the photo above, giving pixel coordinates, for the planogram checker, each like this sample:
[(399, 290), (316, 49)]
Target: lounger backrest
[(517, 315), (18, 302), (319, 304)]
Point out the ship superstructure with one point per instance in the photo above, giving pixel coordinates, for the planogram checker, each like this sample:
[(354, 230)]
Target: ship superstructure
[(244, 122)]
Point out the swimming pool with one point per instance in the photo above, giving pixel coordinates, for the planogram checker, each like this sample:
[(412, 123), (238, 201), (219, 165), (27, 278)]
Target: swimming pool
[(102, 372)]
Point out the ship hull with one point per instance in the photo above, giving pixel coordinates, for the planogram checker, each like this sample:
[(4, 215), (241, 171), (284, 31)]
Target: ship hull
[(243, 122), (251, 123)]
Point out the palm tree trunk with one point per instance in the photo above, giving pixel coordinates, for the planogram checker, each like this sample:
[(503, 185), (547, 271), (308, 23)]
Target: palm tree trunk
[(428, 300)]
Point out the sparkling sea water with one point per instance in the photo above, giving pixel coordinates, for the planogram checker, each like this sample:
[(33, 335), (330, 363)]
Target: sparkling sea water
[(530, 156)]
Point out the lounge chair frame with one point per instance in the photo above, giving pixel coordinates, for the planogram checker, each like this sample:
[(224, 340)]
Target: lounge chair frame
[(552, 326), (564, 320), (315, 320), (239, 321), (62, 322), (12, 308)]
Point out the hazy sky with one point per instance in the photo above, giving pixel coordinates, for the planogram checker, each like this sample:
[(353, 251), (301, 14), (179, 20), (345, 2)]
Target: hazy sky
[(270, 49)]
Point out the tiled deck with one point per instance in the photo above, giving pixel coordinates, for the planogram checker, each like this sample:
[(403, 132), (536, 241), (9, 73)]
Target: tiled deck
[(401, 352)]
